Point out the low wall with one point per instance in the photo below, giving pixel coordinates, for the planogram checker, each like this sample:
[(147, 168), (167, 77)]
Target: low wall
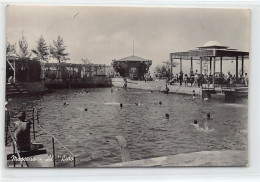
[(97, 81), (144, 85), (158, 85), (34, 88)]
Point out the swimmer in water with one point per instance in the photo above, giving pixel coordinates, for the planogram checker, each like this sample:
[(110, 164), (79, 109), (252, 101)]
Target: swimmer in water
[(167, 116), (193, 94), (111, 90), (160, 102), (206, 128), (166, 89), (197, 126), (195, 123), (65, 103), (121, 105), (208, 115)]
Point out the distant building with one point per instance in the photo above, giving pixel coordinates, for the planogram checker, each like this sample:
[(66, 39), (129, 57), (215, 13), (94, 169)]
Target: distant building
[(133, 67)]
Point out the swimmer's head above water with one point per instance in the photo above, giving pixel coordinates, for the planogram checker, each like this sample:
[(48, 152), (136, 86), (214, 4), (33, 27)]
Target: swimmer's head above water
[(208, 115), (195, 122)]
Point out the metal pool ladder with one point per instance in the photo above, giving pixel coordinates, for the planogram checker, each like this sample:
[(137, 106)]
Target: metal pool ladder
[(53, 138)]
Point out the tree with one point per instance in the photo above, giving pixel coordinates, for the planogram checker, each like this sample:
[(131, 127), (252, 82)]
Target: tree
[(41, 51), (85, 61), (58, 50), (164, 70), (120, 67), (23, 49), (10, 49), (143, 68)]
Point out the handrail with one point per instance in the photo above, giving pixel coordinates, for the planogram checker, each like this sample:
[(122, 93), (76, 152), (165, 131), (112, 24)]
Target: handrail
[(56, 140), (15, 148), (53, 138)]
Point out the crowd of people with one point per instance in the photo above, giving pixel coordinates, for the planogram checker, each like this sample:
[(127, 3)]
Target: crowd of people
[(196, 79)]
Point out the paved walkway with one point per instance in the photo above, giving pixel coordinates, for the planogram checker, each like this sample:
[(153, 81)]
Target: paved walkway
[(204, 158)]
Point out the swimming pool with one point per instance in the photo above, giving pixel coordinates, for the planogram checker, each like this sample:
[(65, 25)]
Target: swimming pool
[(91, 134)]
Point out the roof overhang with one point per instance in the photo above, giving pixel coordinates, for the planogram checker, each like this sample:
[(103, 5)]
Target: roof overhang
[(197, 54)]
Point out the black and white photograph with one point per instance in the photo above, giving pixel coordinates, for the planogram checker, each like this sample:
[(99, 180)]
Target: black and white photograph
[(121, 87)]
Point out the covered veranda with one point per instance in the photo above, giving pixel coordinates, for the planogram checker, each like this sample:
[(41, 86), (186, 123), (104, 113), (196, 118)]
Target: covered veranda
[(212, 52)]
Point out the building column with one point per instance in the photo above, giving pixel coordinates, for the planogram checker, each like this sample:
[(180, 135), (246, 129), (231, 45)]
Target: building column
[(214, 70), (201, 65), (221, 67), (14, 70), (180, 64), (191, 65), (242, 65), (210, 65), (171, 67), (236, 67)]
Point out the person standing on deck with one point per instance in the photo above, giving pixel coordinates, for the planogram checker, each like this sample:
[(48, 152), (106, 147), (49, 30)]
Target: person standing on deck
[(22, 132), (246, 80), (229, 76), (231, 81), (191, 78), (181, 78), (196, 77), (186, 80)]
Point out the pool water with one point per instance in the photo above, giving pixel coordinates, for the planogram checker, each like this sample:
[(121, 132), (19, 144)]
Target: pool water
[(91, 134)]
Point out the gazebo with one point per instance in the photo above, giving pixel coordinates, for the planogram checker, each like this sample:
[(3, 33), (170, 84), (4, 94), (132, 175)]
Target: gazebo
[(213, 51), (131, 65)]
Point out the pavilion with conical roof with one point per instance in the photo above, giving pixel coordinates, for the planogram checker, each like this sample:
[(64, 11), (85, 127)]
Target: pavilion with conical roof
[(132, 65)]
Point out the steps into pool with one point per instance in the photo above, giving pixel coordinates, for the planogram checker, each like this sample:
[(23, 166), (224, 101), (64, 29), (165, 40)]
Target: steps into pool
[(15, 89)]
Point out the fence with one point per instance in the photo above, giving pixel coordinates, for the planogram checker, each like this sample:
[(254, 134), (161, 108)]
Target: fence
[(71, 71)]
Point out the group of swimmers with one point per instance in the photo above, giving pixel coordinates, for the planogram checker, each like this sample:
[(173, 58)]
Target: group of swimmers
[(84, 92)]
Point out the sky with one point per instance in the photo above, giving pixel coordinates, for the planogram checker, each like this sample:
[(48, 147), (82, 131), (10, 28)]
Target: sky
[(102, 34)]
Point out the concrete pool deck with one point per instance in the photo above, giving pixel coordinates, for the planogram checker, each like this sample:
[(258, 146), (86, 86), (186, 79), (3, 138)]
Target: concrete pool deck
[(234, 158), (158, 85)]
